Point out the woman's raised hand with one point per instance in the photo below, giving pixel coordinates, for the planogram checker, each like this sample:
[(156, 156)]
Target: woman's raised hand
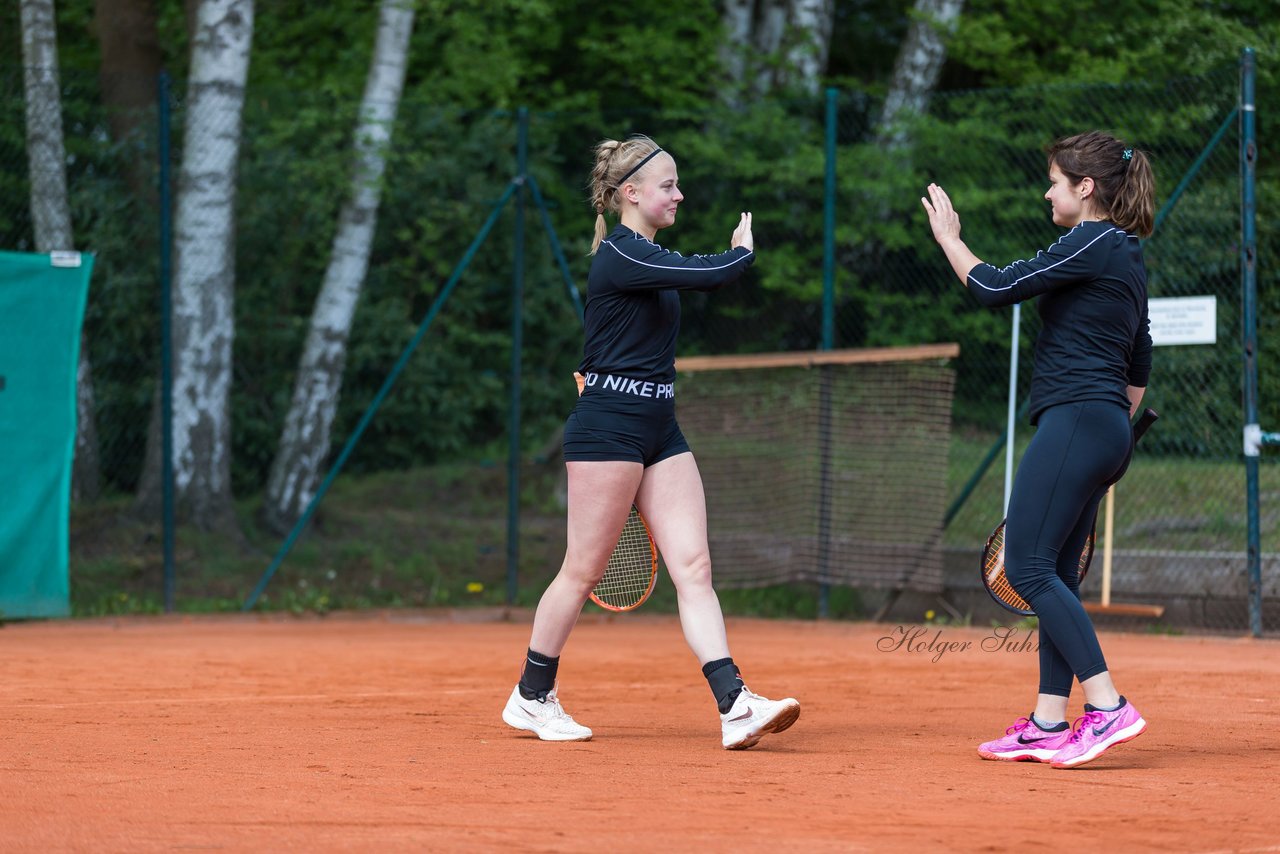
[(943, 218), (742, 234)]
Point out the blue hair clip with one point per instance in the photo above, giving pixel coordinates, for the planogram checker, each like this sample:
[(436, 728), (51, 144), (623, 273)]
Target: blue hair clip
[(1128, 154)]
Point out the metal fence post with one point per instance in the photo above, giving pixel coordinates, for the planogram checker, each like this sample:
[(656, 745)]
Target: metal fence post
[(517, 329), (1249, 283)]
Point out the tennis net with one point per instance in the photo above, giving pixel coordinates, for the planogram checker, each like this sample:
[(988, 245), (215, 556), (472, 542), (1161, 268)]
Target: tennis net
[(827, 466)]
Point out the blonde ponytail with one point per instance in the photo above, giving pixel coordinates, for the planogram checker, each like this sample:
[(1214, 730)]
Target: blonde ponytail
[(602, 229)]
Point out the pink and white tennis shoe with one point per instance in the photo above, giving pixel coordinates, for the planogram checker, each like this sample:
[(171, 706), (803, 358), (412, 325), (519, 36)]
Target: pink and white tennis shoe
[(1026, 741), (1097, 731)]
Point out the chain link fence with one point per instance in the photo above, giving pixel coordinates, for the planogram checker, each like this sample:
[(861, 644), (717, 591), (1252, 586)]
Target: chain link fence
[(1179, 528), (436, 447)]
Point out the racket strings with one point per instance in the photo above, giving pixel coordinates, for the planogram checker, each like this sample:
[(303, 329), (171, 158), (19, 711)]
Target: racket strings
[(1086, 557), (631, 569), (994, 575)]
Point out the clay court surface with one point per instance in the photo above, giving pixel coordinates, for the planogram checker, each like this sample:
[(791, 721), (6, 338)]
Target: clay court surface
[(382, 732)]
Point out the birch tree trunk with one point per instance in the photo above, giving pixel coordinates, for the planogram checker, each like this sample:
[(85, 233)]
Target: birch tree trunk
[(812, 21), (204, 265), (919, 63), (304, 442), (769, 30), (739, 16), (788, 39), (51, 210)]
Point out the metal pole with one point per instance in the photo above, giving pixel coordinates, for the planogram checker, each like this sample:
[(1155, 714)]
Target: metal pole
[(517, 335), (828, 341), (166, 338), (1249, 282), (829, 227), (1010, 430), (556, 249)]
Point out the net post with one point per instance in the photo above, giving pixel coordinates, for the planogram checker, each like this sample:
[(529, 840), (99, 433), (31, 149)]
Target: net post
[(828, 341), (824, 489)]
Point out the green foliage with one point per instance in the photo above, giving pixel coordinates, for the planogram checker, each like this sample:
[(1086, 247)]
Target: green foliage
[(585, 75), (1005, 43)]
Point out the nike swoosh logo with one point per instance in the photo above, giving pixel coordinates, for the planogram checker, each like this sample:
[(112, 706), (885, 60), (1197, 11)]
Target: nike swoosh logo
[(1022, 739), (743, 717), (1100, 730)]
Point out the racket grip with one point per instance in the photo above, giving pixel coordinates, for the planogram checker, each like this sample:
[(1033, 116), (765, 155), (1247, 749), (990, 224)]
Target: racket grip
[(1144, 421)]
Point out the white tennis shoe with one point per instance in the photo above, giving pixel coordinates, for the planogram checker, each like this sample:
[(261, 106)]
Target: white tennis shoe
[(753, 716), (546, 719)]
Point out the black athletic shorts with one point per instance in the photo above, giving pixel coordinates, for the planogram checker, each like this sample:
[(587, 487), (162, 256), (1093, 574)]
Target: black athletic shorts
[(619, 418)]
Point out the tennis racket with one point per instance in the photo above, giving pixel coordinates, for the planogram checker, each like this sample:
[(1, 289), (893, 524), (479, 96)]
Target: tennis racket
[(632, 570), (993, 576)]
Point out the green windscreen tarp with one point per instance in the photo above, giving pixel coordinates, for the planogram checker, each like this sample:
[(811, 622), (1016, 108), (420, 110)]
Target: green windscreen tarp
[(42, 300)]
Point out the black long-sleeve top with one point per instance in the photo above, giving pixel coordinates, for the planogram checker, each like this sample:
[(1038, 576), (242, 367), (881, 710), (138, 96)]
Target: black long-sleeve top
[(633, 302), (1096, 337)]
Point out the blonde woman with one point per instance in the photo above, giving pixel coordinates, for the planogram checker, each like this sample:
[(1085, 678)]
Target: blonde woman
[(622, 444)]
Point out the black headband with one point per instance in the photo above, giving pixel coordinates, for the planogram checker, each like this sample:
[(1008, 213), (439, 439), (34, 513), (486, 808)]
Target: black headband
[(634, 169)]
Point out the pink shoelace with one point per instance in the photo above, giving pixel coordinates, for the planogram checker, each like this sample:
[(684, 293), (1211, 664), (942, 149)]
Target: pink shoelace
[(1018, 726), (1083, 722)]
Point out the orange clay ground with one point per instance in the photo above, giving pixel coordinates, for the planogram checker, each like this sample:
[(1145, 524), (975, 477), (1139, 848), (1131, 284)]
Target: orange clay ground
[(381, 731)]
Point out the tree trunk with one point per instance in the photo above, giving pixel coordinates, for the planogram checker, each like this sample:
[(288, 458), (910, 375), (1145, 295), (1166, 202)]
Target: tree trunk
[(770, 28), (191, 14), (51, 210), (738, 19), (131, 62), (813, 21), (304, 442), (204, 267), (790, 40), (920, 59)]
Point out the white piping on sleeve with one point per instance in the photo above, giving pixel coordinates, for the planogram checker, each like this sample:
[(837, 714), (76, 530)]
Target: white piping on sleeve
[(987, 287), (663, 267)]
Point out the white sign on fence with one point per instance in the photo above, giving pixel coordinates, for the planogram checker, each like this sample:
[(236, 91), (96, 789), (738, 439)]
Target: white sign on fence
[(1183, 320)]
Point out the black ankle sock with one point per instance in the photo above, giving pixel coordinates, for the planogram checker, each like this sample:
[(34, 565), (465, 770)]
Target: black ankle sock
[(1055, 727), (539, 676), (725, 681), (1114, 708)]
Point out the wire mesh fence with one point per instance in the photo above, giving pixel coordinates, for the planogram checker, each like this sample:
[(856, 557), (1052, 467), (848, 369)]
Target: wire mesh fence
[(1175, 546), (1180, 513)]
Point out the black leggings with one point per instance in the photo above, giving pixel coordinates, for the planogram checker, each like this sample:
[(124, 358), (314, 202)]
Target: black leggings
[(1078, 451)]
